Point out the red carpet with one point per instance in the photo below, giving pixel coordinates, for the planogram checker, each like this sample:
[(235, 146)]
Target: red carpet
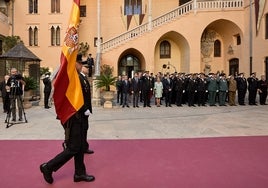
[(240, 162)]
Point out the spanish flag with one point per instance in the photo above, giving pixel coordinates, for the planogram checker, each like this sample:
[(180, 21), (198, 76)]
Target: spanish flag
[(68, 96)]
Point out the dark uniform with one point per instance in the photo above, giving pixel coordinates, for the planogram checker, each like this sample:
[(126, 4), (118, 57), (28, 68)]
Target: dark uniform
[(75, 132), (191, 90), (252, 89), (241, 89), (87, 106), (201, 91), (178, 89), (90, 62), (47, 90)]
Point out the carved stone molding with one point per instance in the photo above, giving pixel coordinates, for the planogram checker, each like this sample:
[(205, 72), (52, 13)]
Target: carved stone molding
[(207, 42)]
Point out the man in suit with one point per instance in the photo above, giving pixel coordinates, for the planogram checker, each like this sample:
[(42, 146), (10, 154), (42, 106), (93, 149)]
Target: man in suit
[(125, 90), (119, 89), (178, 89), (262, 89), (136, 89), (4, 93), (75, 129), (167, 85), (146, 89)]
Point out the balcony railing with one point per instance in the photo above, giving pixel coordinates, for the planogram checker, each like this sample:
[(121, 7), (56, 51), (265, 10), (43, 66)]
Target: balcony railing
[(170, 16)]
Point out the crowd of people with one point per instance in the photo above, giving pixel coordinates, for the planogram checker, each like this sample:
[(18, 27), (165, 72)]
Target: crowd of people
[(196, 89)]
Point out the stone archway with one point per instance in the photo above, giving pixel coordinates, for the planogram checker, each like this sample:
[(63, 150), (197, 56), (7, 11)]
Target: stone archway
[(130, 61), (227, 33), (179, 59)]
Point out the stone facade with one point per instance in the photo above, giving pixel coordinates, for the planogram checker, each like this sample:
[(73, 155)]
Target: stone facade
[(132, 42)]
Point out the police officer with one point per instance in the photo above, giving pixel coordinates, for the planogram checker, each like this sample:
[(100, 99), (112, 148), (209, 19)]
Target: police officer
[(47, 89), (74, 127)]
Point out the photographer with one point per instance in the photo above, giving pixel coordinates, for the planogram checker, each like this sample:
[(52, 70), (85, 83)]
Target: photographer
[(14, 87)]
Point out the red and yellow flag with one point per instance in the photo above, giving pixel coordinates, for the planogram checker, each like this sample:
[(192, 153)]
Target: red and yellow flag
[(68, 96)]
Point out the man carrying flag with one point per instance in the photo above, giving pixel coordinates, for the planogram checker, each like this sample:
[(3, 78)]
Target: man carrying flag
[(69, 105)]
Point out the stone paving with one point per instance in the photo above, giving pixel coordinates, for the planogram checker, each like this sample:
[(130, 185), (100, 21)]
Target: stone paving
[(146, 123)]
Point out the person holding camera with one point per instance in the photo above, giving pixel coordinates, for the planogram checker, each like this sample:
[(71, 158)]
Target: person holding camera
[(14, 87)]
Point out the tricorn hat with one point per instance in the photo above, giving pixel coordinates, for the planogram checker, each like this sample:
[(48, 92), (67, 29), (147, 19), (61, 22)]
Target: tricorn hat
[(79, 58)]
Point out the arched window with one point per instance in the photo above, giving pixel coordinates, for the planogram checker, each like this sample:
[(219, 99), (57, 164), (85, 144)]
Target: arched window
[(31, 38), (55, 6), (53, 36), (165, 50), (58, 36), (217, 48), (133, 7), (36, 36)]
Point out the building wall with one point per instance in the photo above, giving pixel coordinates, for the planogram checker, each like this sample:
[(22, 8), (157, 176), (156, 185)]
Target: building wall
[(184, 34), (49, 55)]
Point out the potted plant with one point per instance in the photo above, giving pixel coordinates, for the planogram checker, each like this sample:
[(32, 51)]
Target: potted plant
[(30, 83), (30, 86), (105, 81)]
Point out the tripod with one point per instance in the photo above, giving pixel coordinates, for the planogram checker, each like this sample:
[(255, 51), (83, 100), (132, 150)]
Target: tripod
[(13, 96)]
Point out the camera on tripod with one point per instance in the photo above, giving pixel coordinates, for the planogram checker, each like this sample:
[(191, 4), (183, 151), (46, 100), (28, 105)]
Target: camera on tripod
[(14, 84)]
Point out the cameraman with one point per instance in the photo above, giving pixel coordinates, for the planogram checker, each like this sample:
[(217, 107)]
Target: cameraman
[(14, 86)]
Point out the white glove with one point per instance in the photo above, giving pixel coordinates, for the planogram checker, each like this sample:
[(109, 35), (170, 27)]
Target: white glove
[(87, 112)]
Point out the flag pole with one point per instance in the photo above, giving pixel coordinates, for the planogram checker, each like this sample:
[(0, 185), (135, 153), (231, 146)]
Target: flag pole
[(96, 101), (250, 37), (98, 58)]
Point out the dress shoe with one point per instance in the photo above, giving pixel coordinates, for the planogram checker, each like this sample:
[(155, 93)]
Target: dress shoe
[(137, 106), (46, 173), (20, 119), (89, 151), (83, 177)]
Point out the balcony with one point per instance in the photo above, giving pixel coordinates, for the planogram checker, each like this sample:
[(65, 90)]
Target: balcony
[(191, 6)]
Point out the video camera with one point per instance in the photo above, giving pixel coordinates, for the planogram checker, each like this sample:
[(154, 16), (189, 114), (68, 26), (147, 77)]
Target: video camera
[(14, 80)]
